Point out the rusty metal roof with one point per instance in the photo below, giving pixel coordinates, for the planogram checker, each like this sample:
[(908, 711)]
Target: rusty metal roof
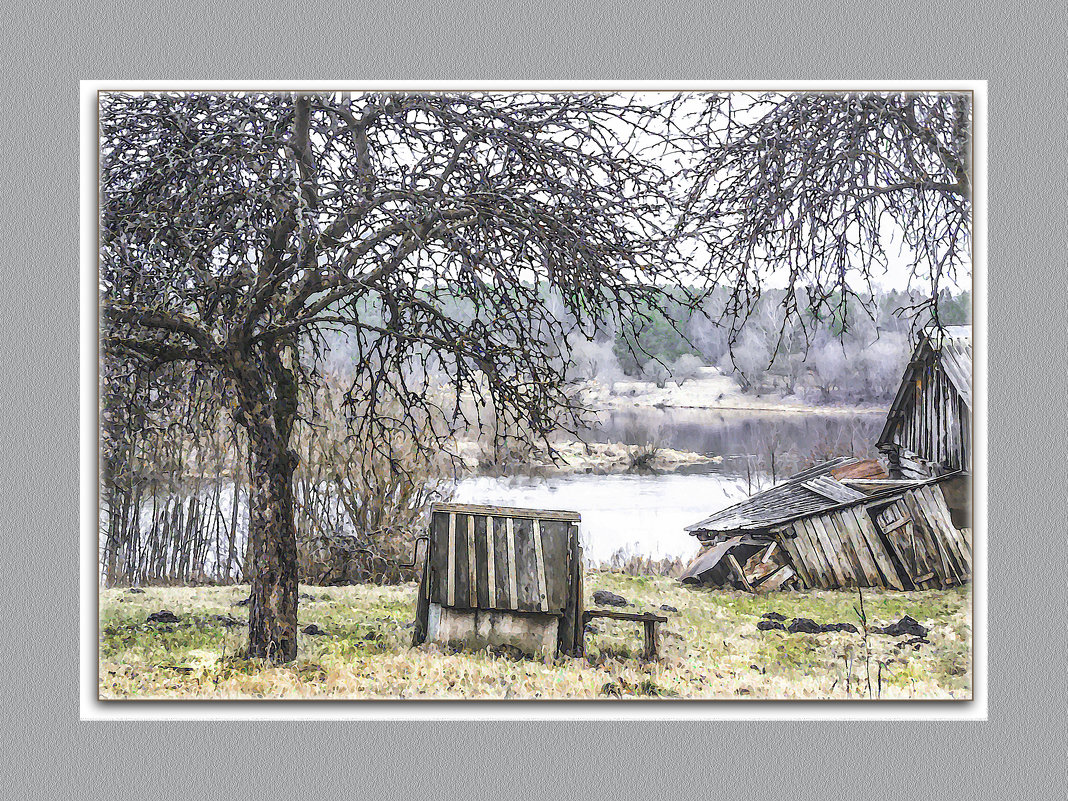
[(805, 493)]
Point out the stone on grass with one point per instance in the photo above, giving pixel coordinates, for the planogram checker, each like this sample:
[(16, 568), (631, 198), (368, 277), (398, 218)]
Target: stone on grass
[(606, 598), (163, 616)]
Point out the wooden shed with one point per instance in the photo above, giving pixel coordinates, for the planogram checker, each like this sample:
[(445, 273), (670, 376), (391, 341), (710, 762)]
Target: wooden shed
[(843, 523), (928, 429), (502, 576)]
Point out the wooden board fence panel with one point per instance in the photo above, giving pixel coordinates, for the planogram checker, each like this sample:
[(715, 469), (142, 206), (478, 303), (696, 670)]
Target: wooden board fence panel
[(491, 562)]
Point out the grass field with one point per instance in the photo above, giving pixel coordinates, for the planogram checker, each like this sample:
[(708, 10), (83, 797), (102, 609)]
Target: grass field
[(711, 648)]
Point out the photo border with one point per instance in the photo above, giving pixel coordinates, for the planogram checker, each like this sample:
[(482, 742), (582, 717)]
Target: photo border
[(91, 708)]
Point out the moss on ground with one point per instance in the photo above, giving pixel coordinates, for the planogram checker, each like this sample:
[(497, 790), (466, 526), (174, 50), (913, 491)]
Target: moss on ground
[(711, 648)]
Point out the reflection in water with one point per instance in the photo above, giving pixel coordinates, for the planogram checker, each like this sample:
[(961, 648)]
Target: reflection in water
[(794, 438), (645, 513)]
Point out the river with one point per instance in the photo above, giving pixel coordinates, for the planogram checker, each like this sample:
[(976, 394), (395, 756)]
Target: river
[(646, 513)]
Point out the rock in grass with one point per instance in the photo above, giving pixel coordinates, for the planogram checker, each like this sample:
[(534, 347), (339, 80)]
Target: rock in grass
[(305, 597), (906, 626), (773, 616), (606, 598), (841, 627), (313, 630), (136, 591), (244, 602), (802, 625), (228, 621), (668, 608), (768, 625), (163, 616)]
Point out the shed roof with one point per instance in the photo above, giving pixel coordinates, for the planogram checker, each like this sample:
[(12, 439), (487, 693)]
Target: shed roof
[(805, 493)]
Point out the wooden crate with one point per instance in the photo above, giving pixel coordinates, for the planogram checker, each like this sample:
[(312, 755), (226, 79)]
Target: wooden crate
[(504, 560)]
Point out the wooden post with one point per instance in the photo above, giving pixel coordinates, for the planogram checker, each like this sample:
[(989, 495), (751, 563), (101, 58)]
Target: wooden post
[(650, 639)]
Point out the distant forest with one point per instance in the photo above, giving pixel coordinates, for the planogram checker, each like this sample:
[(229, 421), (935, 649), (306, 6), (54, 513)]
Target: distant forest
[(857, 355)]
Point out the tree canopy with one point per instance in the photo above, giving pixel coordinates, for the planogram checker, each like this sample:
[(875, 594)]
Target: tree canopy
[(236, 228), (823, 191)]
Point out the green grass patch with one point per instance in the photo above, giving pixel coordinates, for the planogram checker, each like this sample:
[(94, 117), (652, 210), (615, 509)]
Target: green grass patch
[(710, 648)]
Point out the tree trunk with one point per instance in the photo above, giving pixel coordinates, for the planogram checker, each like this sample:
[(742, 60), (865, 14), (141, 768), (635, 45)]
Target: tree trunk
[(272, 621)]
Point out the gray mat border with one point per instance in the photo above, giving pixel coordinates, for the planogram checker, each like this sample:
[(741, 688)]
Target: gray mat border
[(1011, 45)]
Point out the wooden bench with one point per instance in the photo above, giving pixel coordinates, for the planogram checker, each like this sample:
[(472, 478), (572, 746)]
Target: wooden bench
[(648, 619)]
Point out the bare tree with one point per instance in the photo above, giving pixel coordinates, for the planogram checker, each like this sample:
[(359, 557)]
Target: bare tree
[(818, 189), (237, 228)]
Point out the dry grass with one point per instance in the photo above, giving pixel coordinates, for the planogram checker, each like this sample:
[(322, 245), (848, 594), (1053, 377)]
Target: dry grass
[(711, 648)]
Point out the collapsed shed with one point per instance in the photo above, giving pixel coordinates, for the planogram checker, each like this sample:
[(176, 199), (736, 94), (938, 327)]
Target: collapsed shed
[(843, 523)]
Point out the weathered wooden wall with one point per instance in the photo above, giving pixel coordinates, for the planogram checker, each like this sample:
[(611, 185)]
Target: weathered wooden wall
[(486, 561), (909, 542), (932, 420)]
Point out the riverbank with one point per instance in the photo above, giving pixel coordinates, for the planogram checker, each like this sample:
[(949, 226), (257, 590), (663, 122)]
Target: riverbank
[(711, 648), (709, 389), (571, 456)]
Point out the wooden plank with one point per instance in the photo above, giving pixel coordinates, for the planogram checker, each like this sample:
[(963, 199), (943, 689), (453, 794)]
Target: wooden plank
[(513, 592), (944, 532), (926, 521), (451, 582), (777, 579), (483, 589), (822, 550), (829, 550), (896, 524), (788, 545), (850, 530), (829, 578), (580, 603), (556, 555), (898, 540), (933, 522), (491, 566), (871, 569), (882, 560), (847, 559), (507, 511), (953, 536), (651, 639), (614, 615), (737, 569), (439, 558), (422, 603), (853, 563), (565, 638), (526, 567), (472, 576), (811, 553), (539, 556)]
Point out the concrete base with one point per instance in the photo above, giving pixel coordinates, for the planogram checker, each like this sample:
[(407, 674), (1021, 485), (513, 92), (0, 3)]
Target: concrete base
[(532, 633)]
